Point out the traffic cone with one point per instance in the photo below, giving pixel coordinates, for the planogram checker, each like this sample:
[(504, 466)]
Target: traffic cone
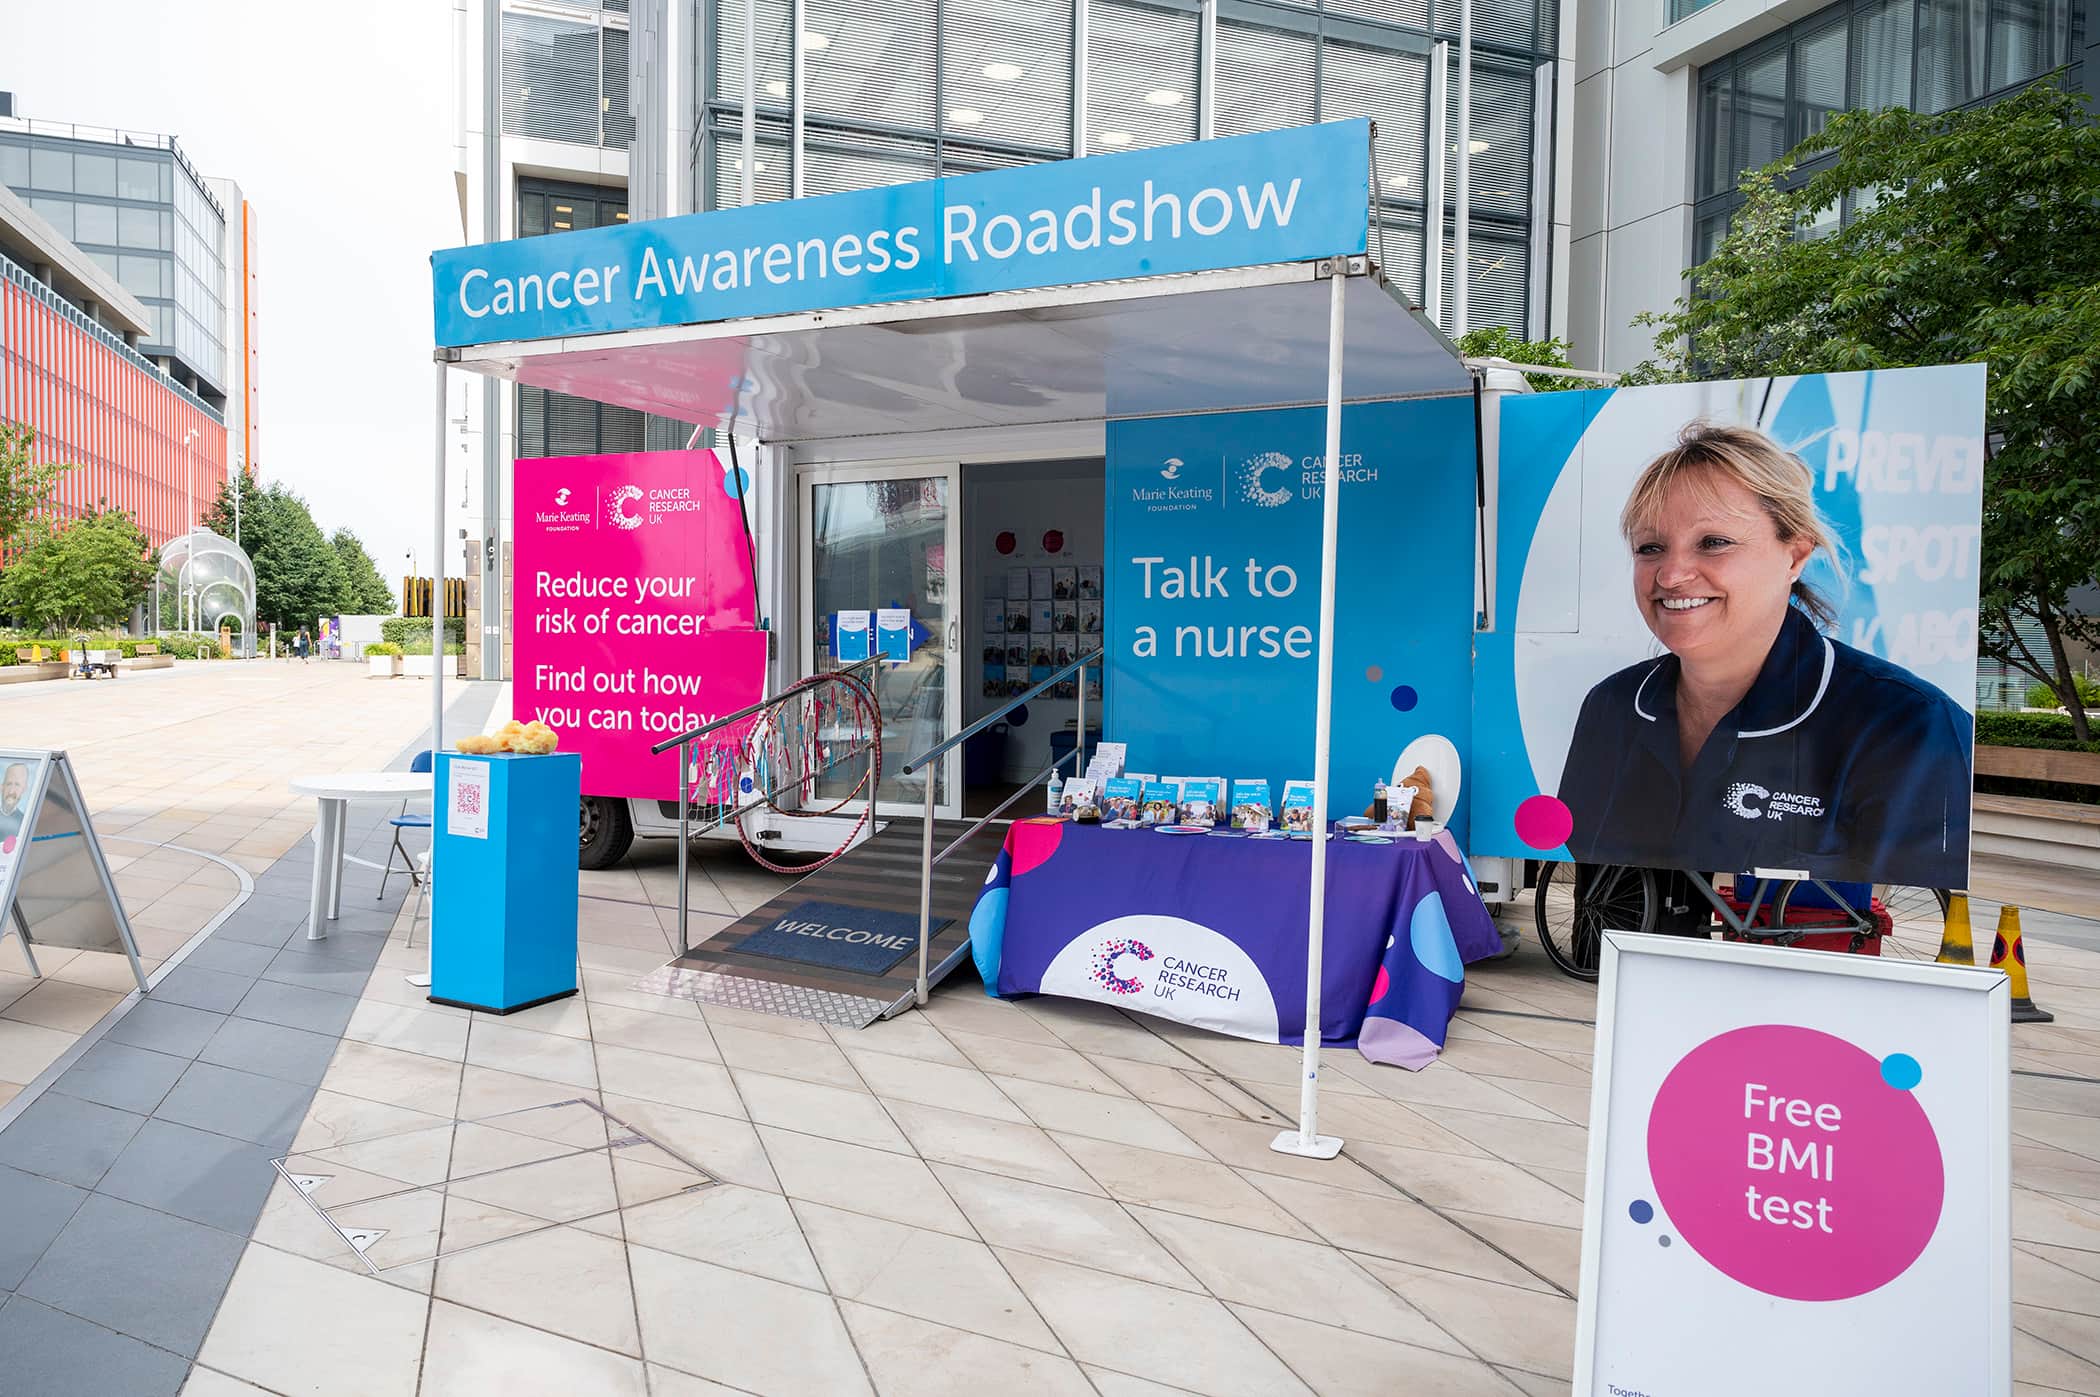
[(1957, 944), (2009, 953)]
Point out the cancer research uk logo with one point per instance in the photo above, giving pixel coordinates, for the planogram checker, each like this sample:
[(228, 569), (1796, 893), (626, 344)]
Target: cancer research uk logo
[(1254, 472), (1104, 971), (1753, 802), (616, 504)]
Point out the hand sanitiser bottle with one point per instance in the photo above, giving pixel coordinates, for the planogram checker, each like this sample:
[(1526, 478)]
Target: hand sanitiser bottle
[(1378, 806), (1057, 793)]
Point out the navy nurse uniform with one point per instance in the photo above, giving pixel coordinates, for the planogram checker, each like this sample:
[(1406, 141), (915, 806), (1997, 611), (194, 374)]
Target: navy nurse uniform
[(1836, 762)]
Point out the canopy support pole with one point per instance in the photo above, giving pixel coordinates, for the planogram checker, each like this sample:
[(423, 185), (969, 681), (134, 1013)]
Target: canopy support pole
[(437, 652), (1306, 1140), (1462, 231)]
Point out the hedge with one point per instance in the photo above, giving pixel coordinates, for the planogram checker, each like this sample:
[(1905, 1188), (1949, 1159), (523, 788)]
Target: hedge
[(2048, 731), (382, 650), (407, 631)]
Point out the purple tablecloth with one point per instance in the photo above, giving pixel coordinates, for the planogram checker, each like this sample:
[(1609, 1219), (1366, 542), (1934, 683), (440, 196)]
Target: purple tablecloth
[(1211, 931)]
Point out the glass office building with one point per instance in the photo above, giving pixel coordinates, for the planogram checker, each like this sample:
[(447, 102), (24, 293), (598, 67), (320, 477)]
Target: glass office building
[(1756, 104), (874, 92), (135, 205)]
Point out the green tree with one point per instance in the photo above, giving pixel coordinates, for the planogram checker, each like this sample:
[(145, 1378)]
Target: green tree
[(25, 485), (298, 576), (1973, 238), (365, 592), (94, 569), (1496, 342)]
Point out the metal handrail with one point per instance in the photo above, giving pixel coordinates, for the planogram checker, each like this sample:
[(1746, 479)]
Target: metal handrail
[(742, 713), (1091, 657), (927, 858), (684, 742)]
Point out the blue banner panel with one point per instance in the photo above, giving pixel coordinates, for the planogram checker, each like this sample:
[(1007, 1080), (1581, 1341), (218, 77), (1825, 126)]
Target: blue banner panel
[(1847, 642), (1214, 592), (1277, 196)]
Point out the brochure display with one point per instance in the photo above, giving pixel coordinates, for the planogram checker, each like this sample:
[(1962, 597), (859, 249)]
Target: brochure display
[(55, 887), (1794, 1156), (505, 883)]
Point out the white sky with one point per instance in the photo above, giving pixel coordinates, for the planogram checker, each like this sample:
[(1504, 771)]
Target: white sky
[(337, 123)]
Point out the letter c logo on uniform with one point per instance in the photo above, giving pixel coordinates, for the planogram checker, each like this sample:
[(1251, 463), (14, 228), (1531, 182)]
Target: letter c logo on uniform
[(1746, 799)]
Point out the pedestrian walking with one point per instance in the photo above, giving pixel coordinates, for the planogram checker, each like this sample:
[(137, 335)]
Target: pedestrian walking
[(301, 644)]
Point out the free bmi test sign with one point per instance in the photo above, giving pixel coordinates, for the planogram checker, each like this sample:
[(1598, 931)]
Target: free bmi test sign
[(1799, 1176)]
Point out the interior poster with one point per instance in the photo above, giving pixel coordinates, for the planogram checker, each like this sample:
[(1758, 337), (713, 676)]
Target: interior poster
[(635, 613), (1799, 1177), (1213, 583), (1735, 627)]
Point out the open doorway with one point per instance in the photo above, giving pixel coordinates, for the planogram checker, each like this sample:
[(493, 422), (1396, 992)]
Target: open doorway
[(1032, 601)]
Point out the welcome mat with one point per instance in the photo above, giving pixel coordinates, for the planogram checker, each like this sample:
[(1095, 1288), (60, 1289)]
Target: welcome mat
[(839, 937)]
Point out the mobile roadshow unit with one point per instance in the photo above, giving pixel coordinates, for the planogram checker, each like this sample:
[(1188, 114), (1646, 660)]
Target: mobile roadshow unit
[(1160, 442)]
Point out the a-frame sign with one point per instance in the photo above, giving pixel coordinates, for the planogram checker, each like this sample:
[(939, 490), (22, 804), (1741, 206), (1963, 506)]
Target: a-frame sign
[(55, 887)]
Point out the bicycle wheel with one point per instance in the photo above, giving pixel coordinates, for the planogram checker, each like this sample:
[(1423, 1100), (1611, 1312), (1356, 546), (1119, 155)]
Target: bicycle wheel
[(1859, 923), (1575, 904), (1904, 903)]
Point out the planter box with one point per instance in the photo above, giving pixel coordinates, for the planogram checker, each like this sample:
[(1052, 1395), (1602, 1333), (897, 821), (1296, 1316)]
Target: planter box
[(383, 666), (423, 666), (2059, 832), (29, 674), (145, 661)]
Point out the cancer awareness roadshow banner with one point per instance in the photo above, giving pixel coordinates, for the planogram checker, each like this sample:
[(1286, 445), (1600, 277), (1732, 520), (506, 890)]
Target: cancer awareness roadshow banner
[(1214, 591), (634, 609), (1849, 755), (1799, 1177)]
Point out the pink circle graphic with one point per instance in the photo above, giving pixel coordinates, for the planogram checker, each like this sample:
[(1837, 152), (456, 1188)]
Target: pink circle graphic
[(1380, 985), (1544, 823), (1033, 845), (1785, 1160)]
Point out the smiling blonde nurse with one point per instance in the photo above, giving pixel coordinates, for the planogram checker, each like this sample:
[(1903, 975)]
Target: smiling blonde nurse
[(1758, 741)]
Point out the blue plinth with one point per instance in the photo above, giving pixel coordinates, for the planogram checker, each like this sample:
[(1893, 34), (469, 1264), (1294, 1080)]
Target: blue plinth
[(503, 916)]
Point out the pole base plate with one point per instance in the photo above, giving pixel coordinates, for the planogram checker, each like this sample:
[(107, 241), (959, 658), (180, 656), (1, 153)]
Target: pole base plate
[(1320, 1147), (421, 982)]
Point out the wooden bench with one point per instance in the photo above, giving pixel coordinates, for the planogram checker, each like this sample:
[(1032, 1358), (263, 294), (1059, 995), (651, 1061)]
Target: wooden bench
[(2039, 764), (2062, 832)]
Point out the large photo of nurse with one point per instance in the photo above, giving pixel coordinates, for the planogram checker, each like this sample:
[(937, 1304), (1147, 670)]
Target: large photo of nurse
[(1745, 631)]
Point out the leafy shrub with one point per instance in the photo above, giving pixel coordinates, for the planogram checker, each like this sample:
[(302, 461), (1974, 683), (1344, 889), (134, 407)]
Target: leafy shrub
[(2043, 696), (2048, 731), (383, 649), (406, 631)]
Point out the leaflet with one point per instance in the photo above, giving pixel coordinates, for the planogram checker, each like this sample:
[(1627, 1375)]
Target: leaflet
[(1122, 797), (1162, 802), (1200, 798), (1250, 806), (1298, 814)]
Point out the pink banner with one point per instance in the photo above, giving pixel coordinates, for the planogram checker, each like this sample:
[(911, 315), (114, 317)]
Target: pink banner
[(634, 609)]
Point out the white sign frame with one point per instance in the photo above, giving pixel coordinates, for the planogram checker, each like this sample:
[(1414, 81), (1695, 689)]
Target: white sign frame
[(51, 773), (1997, 1112)]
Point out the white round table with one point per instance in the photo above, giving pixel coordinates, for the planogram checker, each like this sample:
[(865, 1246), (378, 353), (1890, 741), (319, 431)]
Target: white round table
[(333, 793)]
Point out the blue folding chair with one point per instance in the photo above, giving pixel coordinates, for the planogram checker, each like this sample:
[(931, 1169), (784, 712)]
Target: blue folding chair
[(400, 822)]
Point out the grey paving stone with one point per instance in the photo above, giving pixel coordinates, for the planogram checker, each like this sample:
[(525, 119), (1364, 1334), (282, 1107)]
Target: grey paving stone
[(262, 1110), (341, 946), (52, 1354), (33, 1210), (119, 1075), (272, 1050), (193, 1174), (166, 1028), (228, 954), (137, 1271), (63, 1137), (257, 931), (294, 967), (295, 1006), (202, 987)]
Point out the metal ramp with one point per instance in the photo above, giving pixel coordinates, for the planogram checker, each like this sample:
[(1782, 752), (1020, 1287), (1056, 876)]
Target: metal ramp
[(882, 873)]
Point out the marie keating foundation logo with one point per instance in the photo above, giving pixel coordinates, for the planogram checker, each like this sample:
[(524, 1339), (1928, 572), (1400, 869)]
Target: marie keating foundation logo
[(561, 496), (561, 519)]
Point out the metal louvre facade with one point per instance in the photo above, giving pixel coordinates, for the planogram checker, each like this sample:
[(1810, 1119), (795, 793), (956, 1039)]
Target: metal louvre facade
[(849, 94), (98, 406)]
